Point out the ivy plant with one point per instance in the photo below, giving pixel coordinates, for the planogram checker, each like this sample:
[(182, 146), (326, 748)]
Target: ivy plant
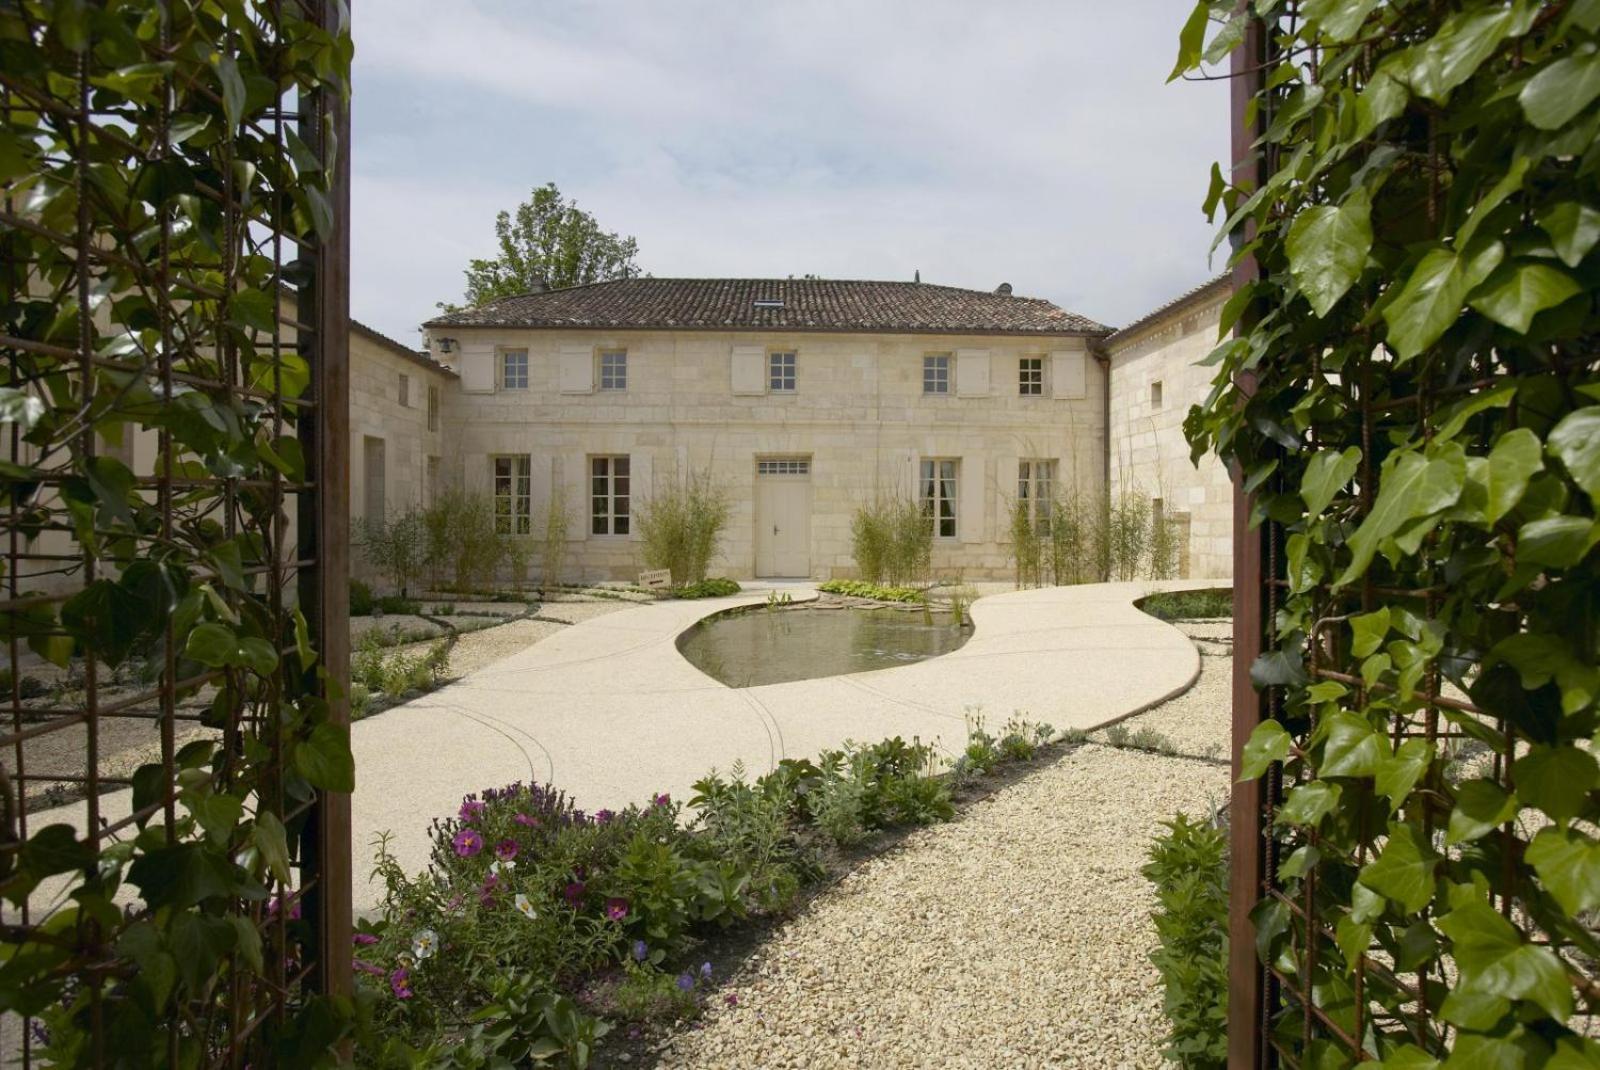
[(1408, 381)]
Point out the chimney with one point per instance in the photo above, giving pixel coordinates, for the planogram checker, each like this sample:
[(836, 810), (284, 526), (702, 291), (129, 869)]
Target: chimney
[(539, 285), (1004, 289)]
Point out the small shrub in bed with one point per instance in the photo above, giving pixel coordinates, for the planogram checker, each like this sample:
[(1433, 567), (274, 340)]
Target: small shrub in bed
[(877, 592), (1189, 868), (361, 601), (715, 587), (1189, 605)]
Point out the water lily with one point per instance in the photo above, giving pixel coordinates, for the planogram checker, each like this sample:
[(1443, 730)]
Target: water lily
[(524, 906), (616, 909), (467, 842), (424, 944)]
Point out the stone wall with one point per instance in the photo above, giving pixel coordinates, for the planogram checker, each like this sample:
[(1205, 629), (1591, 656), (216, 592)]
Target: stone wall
[(1149, 454), (858, 414)]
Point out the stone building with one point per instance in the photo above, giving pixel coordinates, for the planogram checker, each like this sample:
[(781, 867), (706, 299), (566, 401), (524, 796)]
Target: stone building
[(804, 398)]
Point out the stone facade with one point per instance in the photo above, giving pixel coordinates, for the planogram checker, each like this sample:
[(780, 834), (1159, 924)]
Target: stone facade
[(698, 401), (1155, 377)]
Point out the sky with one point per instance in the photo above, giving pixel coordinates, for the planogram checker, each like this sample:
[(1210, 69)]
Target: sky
[(1035, 143)]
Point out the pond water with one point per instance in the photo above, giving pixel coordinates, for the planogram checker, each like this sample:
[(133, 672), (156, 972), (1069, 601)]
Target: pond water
[(748, 648)]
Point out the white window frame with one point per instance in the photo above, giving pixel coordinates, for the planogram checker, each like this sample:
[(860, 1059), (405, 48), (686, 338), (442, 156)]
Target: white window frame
[(936, 373), (939, 490), (782, 371), (1030, 377), (613, 375), (511, 481), (1036, 487), (605, 518), (513, 374), (783, 466)]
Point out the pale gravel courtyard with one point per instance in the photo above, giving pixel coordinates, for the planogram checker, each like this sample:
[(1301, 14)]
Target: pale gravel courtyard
[(1016, 936)]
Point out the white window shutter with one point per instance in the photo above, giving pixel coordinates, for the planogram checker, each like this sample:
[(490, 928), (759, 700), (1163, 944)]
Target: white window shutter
[(972, 373), (577, 370), (747, 371), (1069, 376), (476, 366)]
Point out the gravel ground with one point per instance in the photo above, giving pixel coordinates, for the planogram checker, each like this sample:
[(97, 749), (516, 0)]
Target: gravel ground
[(1198, 722), (475, 650)]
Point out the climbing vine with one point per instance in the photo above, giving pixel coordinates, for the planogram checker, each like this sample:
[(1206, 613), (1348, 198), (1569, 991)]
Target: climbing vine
[(1412, 394), (166, 178)]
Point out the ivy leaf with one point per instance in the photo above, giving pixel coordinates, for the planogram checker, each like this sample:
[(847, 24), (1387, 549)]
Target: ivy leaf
[(1398, 774), (1431, 297), (1457, 50), (1555, 779), (1353, 747), (1568, 862), (1327, 473), (1328, 247), (1192, 40), (1403, 873), (211, 644), (1369, 631), (1410, 486), (270, 839), (1563, 89), (324, 759), (106, 617), (1495, 961), (1573, 228), (1305, 571), (1515, 458), (1268, 743), (1309, 803), (20, 407), (1338, 20), (1408, 1057), (233, 94), (1557, 541), (1516, 293), (1353, 938), (1575, 442), (1278, 668)]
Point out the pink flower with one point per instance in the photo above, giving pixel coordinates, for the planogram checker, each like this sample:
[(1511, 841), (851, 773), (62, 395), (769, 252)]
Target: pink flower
[(663, 799), (468, 842), (526, 819), (367, 967), (616, 909), (363, 939), (602, 817), (575, 892), (471, 810), (486, 892), (731, 1000), (400, 983), (505, 850)]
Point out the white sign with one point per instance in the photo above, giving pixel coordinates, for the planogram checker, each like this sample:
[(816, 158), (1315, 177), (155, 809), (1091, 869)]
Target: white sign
[(659, 579)]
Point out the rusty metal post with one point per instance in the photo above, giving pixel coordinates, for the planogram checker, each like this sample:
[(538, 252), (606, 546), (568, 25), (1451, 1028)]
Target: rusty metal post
[(1247, 981)]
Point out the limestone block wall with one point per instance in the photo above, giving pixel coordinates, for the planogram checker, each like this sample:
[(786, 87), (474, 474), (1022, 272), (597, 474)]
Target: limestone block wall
[(858, 414), (1149, 454)]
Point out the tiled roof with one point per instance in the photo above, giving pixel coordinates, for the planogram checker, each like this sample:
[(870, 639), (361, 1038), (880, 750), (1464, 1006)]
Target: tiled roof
[(400, 349), (787, 304), (1217, 284)]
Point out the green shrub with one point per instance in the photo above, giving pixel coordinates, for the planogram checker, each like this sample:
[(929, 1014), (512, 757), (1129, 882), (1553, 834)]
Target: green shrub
[(517, 552), (1127, 538), (399, 605), (891, 541), (396, 547), (553, 547), (681, 526), (459, 530), (715, 587), (1189, 868), (27, 687), (361, 601), (1027, 546), (1073, 546), (876, 592), (1189, 605)]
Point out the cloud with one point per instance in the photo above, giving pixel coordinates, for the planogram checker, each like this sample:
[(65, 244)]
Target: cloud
[(1026, 142)]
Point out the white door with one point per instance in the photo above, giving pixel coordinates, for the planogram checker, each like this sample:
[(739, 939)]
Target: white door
[(783, 517)]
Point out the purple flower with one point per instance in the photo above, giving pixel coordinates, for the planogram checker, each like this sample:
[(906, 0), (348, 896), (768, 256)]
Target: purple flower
[(468, 842), (400, 983), (505, 850), (686, 982), (603, 817), (663, 799), (471, 810), (366, 967), (486, 891), (705, 970), (574, 892), (640, 950), (616, 909), (731, 1000), (526, 819), (363, 939)]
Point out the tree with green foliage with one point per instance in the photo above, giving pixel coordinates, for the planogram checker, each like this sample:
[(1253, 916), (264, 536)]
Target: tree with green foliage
[(548, 241), (1413, 397)]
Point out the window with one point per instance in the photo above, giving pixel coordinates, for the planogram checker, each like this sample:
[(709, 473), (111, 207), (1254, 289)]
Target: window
[(514, 369), (936, 374), (939, 495), (614, 370), (373, 492), (784, 466), (1030, 376), (780, 373), (432, 489), (433, 408), (513, 494), (1036, 489), (608, 495), (1155, 394), (405, 391)]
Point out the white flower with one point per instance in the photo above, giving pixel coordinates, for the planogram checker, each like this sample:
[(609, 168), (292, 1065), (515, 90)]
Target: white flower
[(406, 959), (424, 944), (524, 906), (500, 869)]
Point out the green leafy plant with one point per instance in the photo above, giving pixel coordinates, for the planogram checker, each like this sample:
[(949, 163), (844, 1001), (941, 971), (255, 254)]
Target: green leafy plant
[(876, 592), (361, 600), (1189, 605), (715, 587), (892, 541), (396, 547), (1028, 544), (553, 546), (681, 525), (1412, 395), (1189, 868)]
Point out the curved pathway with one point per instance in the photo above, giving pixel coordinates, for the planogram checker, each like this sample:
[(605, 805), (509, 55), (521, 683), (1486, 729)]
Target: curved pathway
[(610, 711)]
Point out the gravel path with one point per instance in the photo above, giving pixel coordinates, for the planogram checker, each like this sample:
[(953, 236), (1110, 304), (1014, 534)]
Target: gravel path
[(1016, 936)]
